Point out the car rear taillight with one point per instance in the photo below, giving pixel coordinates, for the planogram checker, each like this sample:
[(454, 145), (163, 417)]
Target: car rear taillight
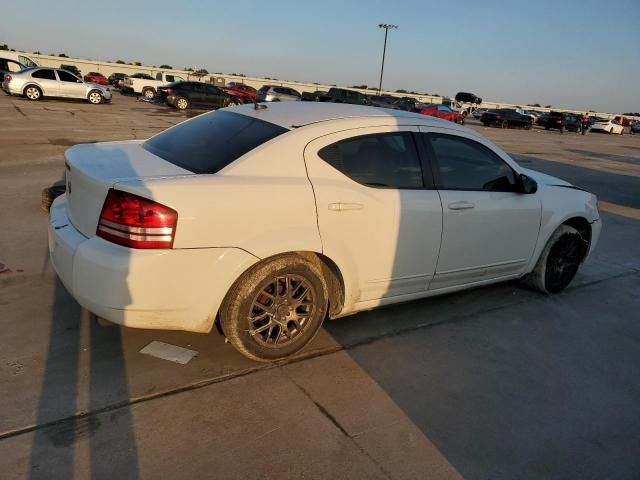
[(8, 78), (498, 117), (166, 90), (136, 222)]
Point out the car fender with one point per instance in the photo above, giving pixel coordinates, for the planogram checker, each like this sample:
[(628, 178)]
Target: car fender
[(559, 204)]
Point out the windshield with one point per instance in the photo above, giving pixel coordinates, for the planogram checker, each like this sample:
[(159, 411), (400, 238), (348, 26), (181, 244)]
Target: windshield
[(211, 141)]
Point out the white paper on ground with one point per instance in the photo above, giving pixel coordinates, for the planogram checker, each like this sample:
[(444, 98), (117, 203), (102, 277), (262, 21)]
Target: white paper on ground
[(166, 351)]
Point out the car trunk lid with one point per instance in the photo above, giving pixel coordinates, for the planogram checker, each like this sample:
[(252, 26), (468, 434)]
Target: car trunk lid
[(92, 169)]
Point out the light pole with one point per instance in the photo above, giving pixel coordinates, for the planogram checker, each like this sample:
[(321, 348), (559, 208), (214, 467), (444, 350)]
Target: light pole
[(386, 27)]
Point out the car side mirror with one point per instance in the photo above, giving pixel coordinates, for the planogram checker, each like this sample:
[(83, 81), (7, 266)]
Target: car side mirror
[(527, 184)]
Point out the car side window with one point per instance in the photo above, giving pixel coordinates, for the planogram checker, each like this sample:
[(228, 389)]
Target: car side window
[(464, 164), (67, 77), (213, 91), (170, 78), (380, 160), (44, 74)]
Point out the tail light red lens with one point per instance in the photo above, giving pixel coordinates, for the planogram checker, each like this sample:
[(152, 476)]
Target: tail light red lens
[(136, 222), (8, 78)]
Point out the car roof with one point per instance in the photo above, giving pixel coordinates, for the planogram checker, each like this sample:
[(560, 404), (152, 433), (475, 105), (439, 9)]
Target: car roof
[(299, 114)]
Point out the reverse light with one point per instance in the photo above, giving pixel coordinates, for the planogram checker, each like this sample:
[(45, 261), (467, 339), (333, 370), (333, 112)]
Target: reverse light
[(136, 222)]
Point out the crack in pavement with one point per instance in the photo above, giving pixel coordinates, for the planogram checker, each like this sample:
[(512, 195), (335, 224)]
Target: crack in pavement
[(290, 361)]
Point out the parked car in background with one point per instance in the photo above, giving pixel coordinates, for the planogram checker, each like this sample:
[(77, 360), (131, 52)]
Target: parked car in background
[(177, 228), (608, 126), (313, 96), (39, 82), (185, 95), (465, 97), (275, 93), (563, 121), (8, 66), (478, 113), (73, 69), (344, 95), (116, 79), (243, 92), (383, 101), (635, 128), (146, 85), (19, 57), (542, 119), (505, 118), (409, 104), (444, 112), (96, 77)]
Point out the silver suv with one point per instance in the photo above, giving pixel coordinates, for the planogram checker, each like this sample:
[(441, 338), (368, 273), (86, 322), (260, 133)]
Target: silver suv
[(273, 93), (38, 82)]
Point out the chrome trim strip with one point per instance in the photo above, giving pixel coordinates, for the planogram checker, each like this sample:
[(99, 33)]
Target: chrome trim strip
[(139, 238), (148, 230)]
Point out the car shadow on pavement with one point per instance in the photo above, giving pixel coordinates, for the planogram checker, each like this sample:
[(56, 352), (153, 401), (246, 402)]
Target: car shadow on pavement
[(84, 367)]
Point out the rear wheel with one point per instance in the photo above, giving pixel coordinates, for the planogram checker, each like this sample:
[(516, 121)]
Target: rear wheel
[(559, 261), (275, 308), (504, 124), (148, 93), (33, 93), (182, 103)]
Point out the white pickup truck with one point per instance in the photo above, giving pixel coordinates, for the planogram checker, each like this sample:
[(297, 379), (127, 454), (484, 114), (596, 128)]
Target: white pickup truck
[(147, 87)]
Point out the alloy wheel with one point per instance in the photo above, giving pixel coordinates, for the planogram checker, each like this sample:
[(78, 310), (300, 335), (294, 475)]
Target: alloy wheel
[(95, 98), (182, 104), (282, 310), (563, 261)]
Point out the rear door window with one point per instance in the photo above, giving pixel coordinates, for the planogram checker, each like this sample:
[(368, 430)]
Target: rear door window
[(44, 74), (387, 160), (211, 141)]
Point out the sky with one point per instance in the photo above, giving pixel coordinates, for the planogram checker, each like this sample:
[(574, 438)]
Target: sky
[(581, 54)]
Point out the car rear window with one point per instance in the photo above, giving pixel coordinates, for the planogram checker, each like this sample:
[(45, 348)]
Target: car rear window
[(211, 141)]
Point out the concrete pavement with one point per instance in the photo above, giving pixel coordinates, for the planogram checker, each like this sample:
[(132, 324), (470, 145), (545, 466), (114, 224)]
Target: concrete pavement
[(498, 382)]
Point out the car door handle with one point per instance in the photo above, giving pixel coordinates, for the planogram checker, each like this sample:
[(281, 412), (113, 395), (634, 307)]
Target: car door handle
[(339, 207), (461, 205)]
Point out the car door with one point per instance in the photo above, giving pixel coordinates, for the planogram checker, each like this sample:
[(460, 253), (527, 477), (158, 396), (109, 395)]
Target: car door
[(377, 210), (48, 82), (489, 229), (70, 86), (215, 96)]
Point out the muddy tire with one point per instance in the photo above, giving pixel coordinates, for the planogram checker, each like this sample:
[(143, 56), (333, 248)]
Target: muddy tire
[(275, 308), (559, 261)]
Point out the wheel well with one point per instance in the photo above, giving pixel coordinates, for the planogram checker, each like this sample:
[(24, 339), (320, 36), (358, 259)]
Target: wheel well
[(31, 85), (584, 228), (333, 277), (330, 272)]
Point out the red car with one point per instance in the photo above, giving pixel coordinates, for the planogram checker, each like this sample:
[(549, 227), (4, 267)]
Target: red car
[(444, 112), (244, 92), (95, 77)]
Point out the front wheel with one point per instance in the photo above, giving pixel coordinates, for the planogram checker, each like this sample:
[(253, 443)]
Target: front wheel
[(275, 308), (559, 261), (95, 97)]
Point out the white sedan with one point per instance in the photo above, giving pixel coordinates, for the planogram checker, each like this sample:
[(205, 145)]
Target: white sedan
[(608, 126), (268, 220)]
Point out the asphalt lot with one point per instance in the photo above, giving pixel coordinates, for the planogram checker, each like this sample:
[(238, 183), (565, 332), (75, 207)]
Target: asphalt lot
[(494, 383)]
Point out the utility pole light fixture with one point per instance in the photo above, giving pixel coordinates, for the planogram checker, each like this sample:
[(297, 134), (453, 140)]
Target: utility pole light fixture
[(386, 27)]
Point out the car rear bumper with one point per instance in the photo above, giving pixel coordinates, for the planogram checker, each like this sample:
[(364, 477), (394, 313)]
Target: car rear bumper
[(179, 289)]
